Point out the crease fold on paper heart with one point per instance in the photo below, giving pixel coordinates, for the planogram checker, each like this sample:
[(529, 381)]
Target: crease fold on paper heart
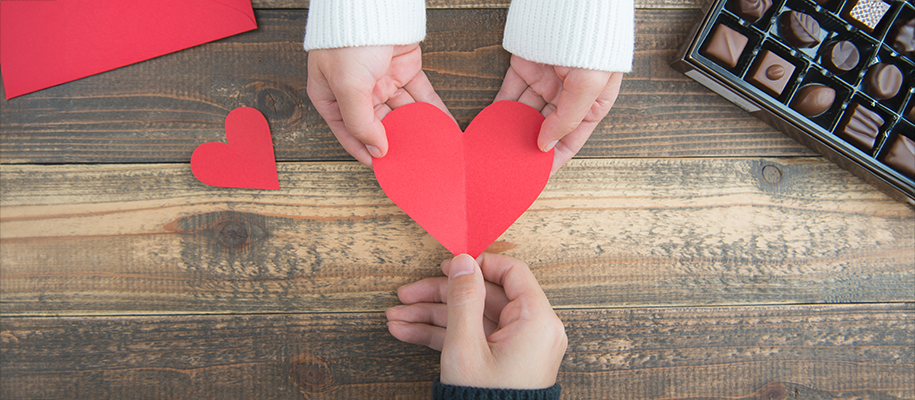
[(464, 188)]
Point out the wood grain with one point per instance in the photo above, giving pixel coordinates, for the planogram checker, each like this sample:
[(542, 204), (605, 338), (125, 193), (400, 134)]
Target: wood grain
[(799, 352), (160, 110), (151, 239), (484, 3)]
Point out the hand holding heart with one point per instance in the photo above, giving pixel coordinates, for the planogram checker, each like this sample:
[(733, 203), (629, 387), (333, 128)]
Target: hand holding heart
[(354, 89), (573, 100)]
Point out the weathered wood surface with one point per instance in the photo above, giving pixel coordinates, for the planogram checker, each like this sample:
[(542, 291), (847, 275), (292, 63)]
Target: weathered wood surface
[(161, 109), (780, 352), (677, 278), (149, 239), (485, 3)]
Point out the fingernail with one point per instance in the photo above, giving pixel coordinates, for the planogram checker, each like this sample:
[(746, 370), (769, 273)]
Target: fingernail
[(550, 145), (396, 323), (395, 308), (373, 151), (461, 265)]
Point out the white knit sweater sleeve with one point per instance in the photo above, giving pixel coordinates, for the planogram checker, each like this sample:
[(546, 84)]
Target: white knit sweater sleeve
[(592, 34), (348, 23)]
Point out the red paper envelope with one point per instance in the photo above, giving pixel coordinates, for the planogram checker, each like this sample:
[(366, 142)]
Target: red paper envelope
[(46, 43)]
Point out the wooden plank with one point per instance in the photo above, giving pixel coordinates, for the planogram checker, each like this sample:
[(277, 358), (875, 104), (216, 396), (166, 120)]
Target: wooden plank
[(804, 352), (484, 3), (161, 109), (151, 239)]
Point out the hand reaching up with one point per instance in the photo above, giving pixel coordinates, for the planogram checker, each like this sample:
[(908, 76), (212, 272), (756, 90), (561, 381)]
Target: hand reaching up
[(491, 321)]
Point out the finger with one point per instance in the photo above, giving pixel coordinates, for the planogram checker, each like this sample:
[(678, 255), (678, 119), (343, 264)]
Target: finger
[(400, 98), (466, 301), (495, 295), (512, 86), (531, 98), (421, 334), (354, 98), (352, 145), (429, 290), (514, 276), (435, 314), (571, 144), (579, 92), (325, 102), (426, 313), (421, 90), (435, 290)]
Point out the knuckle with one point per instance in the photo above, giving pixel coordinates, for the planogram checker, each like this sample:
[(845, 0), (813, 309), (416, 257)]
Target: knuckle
[(463, 294)]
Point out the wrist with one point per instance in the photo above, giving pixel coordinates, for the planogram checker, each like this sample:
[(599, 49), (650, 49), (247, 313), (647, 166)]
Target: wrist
[(590, 34), (453, 392), (335, 24)]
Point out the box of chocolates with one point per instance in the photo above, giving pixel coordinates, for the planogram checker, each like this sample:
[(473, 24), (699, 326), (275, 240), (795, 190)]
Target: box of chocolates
[(836, 75)]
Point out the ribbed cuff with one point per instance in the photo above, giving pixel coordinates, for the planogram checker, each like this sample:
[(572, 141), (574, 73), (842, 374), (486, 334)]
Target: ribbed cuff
[(441, 391), (592, 34), (346, 23)]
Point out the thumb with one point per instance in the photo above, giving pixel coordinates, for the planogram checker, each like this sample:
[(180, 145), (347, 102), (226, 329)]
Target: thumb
[(466, 301)]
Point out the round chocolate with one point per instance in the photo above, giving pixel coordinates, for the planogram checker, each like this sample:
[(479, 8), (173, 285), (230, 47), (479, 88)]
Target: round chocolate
[(841, 56), (814, 99), (752, 10), (883, 81), (799, 29), (903, 38)]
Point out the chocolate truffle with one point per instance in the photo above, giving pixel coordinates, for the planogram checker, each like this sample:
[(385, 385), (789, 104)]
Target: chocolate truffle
[(813, 99), (903, 38), (752, 10), (860, 126), (770, 73), (883, 81), (901, 156), (911, 113), (799, 29), (725, 46), (841, 56), (865, 14)]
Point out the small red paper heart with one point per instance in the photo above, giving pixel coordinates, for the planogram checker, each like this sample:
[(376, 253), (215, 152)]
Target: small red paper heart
[(464, 188), (246, 162)]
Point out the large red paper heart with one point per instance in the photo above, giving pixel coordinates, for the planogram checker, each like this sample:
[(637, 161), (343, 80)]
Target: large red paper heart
[(464, 188), (247, 161)]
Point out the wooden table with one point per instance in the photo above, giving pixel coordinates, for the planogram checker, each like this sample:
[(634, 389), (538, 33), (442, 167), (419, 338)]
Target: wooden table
[(691, 250)]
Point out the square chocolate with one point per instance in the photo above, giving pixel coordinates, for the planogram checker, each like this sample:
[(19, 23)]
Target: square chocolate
[(770, 73), (860, 126), (865, 14), (725, 46), (901, 156)]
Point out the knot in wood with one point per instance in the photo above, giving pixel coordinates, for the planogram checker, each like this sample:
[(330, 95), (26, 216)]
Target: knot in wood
[(771, 174), (774, 391), (233, 234), (312, 374), (275, 104)]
